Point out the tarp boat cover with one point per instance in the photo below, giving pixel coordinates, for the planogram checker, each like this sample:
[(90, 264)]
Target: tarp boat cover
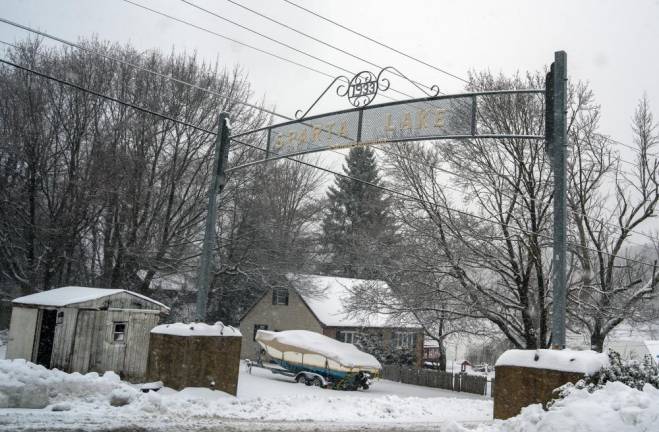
[(306, 348)]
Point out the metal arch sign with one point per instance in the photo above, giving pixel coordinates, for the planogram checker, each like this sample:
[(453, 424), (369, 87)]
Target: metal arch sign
[(409, 120), (430, 118)]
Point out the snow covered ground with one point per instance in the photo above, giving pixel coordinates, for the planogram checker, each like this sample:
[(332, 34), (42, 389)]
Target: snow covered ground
[(615, 408), (61, 401), (269, 402)]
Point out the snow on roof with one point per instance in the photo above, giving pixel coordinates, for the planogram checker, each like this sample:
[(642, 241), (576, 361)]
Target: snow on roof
[(196, 329), (586, 362), (326, 297), (65, 296)]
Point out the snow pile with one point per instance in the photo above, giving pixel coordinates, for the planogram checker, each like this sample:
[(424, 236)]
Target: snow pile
[(93, 402), (585, 362), (196, 329), (27, 385), (616, 407), (308, 342)]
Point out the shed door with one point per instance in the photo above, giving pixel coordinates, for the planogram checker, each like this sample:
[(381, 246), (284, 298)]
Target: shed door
[(21, 333), (83, 341), (46, 337)]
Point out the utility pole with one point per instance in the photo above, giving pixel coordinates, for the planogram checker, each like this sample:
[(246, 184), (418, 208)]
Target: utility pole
[(556, 133), (218, 180)]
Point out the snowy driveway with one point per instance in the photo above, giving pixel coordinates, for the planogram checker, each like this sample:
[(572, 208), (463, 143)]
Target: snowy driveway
[(265, 402)]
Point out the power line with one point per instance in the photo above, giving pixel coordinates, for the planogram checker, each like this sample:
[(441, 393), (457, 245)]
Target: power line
[(341, 50), (387, 189), (377, 42), (521, 195), (203, 89), (196, 127), (421, 200), (229, 39), (133, 65), (168, 77), (104, 96), (277, 41)]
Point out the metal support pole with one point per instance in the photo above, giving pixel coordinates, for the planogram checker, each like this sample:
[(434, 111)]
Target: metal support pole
[(218, 180), (559, 165)]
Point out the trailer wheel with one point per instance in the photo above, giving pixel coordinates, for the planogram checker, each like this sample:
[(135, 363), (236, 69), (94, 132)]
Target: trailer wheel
[(301, 379), (316, 382)]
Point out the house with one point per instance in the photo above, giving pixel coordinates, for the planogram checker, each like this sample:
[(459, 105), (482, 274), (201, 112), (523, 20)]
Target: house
[(315, 303), (431, 352), (631, 340), (80, 329)]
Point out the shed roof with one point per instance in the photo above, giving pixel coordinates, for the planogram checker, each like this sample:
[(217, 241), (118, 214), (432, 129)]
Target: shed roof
[(70, 295), (326, 299)]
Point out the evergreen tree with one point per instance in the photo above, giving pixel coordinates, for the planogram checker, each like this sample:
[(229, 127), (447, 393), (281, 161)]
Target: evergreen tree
[(358, 227)]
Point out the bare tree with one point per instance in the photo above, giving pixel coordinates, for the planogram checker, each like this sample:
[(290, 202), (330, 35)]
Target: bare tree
[(614, 276), (496, 246)]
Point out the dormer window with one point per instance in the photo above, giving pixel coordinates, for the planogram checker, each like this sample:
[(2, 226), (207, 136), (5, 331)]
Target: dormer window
[(280, 296)]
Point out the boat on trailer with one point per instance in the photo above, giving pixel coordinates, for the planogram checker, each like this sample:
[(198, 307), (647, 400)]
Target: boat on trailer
[(314, 359)]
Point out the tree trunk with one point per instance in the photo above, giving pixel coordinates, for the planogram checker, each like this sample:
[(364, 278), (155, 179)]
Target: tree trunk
[(597, 341)]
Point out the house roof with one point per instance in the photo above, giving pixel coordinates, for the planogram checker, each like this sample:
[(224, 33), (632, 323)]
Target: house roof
[(653, 349), (70, 295), (325, 297)]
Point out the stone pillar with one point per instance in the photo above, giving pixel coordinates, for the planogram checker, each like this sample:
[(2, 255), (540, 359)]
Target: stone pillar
[(526, 377), (195, 359), (517, 387)]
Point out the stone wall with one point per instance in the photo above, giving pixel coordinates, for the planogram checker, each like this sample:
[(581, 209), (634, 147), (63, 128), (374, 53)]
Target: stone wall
[(518, 387), (195, 361)]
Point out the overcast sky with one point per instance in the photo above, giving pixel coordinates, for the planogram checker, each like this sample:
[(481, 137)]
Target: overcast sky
[(611, 44)]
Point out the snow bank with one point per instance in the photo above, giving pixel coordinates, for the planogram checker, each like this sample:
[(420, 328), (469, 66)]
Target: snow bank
[(196, 329), (27, 385), (108, 402), (586, 362), (616, 407)]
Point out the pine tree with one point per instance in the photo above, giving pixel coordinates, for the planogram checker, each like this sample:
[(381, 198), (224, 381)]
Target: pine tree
[(357, 227)]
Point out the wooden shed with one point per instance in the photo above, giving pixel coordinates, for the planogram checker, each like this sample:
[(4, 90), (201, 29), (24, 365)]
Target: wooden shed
[(81, 329)]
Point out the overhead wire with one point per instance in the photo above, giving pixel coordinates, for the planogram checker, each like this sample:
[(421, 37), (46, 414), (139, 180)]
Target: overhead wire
[(255, 32), (133, 65), (104, 96), (378, 42), (139, 67), (384, 188), (216, 93), (78, 46), (230, 39), (339, 49), (421, 200)]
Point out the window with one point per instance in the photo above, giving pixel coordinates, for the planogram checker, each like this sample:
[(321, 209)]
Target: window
[(280, 296), (258, 327), (119, 333), (60, 318), (348, 336), (404, 339)]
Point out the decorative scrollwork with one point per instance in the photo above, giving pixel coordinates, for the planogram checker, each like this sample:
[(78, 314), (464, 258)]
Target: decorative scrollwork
[(434, 90), (299, 115), (364, 87)]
